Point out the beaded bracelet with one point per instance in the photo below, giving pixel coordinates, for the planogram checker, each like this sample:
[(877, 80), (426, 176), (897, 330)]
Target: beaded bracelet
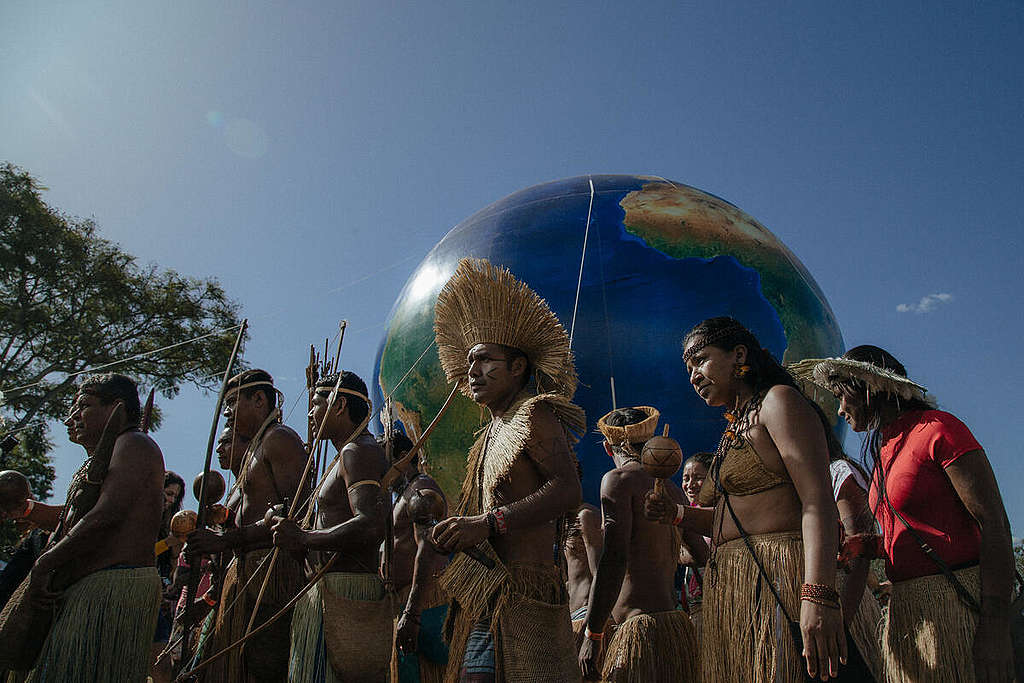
[(596, 637), (499, 520), (820, 594)]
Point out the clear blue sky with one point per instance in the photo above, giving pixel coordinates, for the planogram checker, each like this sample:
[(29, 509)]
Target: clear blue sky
[(309, 154)]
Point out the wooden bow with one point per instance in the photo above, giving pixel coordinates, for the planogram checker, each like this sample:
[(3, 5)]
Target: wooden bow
[(310, 460), (389, 477), (194, 576)]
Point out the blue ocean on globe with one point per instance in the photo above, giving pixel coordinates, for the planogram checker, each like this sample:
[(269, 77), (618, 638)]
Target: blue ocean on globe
[(657, 257)]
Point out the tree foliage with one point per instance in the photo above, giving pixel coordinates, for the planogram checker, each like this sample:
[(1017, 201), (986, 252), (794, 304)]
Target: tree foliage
[(71, 300)]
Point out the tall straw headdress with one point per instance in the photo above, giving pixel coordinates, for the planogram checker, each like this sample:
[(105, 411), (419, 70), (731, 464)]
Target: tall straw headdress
[(486, 304), (830, 373)]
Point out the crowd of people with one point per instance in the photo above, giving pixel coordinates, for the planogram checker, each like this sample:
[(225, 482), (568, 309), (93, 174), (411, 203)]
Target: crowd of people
[(759, 568)]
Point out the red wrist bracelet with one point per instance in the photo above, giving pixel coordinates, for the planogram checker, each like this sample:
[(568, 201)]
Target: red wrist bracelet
[(820, 594), (499, 519)]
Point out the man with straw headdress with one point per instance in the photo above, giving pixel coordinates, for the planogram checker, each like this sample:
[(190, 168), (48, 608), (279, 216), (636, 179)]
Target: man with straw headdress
[(269, 472), (100, 574), (946, 538), (509, 622), (421, 655), (653, 641), (341, 628)]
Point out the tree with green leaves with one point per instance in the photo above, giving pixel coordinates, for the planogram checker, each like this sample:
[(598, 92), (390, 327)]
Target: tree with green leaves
[(72, 301)]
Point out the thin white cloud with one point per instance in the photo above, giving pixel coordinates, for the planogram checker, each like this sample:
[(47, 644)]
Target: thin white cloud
[(927, 304)]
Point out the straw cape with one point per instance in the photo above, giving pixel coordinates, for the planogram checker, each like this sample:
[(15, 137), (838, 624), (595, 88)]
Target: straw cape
[(486, 304), (638, 432), (525, 606), (829, 372)]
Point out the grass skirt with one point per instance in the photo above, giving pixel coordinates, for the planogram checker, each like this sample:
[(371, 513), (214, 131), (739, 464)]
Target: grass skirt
[(928, 632), (866, 630), (652, 648), (697, 619), (103, 629), (265, 656), (744, 635), (309, 662)]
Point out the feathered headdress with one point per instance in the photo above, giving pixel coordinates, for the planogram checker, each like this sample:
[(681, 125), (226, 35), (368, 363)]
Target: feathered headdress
[(486, 304), (828, 373)]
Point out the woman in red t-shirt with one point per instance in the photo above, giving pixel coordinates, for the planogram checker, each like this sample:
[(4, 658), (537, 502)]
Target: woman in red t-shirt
[(931, 484)]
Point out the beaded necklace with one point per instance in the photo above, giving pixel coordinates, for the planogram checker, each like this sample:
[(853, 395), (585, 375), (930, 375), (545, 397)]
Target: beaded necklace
[(739, 420)]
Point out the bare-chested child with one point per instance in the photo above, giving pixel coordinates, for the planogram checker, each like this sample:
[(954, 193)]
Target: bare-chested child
[(345, 607), (102, 570), (510, 622), (269, 475), (634, 582), (421, 653), (582, 552)]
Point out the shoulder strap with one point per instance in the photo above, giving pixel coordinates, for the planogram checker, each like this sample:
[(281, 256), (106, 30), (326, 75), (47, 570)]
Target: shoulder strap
[(961, 591), (793, 626)]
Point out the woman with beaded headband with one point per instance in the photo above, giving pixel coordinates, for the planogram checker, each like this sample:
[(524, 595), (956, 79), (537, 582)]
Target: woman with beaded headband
[(946, 538), (769, 587)]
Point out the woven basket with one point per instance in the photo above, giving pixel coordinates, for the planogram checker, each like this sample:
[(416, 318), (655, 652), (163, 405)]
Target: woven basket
[(23, 628), (358, 635), (537, 644)]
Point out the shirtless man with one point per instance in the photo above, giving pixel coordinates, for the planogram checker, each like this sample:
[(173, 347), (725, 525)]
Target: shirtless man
[(102, 570), (521, 479), (415, 566), (634, 582), (230, 450), (16, 502), (268, 476), (349, 523)]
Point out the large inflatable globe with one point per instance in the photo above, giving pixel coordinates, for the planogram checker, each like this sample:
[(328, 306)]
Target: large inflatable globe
[(657, 258)]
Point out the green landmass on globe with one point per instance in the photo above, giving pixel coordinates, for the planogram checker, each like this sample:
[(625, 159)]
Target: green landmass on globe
[(680, 253)]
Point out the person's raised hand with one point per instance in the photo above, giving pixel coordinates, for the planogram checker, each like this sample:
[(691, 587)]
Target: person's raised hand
[(659, 508)]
